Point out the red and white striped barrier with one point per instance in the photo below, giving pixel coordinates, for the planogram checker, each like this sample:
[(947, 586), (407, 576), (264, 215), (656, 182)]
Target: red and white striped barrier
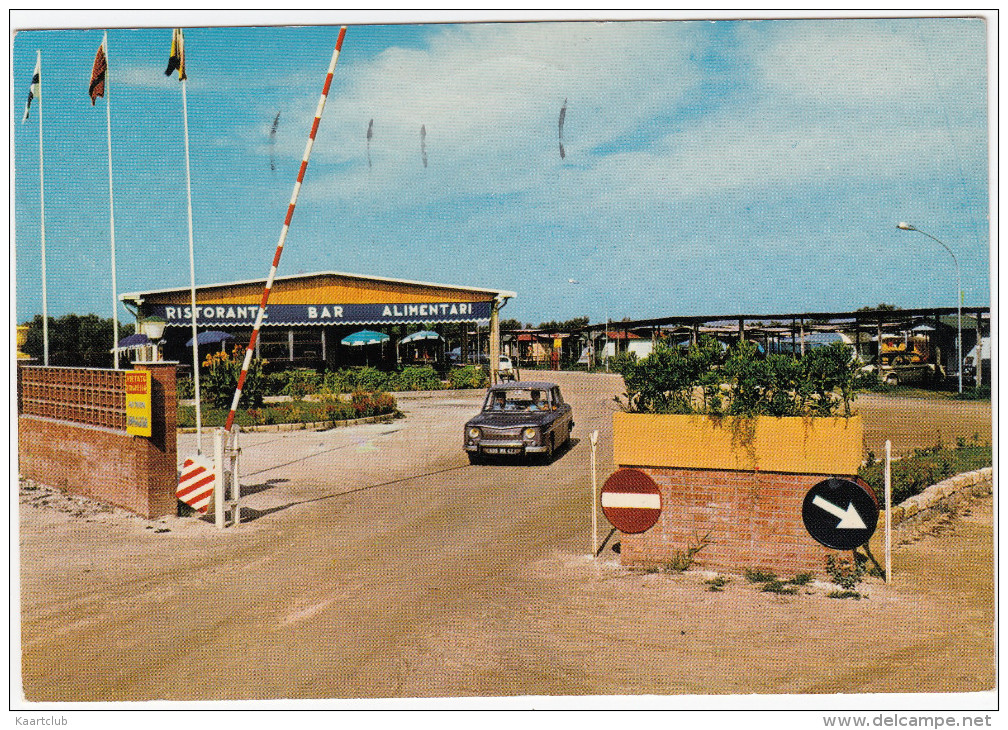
[(196, 485), (283, 233)]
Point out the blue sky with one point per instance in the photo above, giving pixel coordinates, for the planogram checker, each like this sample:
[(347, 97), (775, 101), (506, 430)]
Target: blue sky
[(711, 167)]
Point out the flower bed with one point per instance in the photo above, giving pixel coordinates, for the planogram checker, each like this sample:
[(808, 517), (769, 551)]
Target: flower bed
[(331, 409)]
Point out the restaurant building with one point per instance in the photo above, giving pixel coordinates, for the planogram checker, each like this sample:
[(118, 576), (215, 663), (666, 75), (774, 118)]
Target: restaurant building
[(309, 315)]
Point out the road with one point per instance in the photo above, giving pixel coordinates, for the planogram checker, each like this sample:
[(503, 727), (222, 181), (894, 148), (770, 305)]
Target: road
[(374, 561)]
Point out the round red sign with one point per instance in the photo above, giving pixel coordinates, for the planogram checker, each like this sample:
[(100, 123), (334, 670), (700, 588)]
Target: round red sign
[(631, 501)]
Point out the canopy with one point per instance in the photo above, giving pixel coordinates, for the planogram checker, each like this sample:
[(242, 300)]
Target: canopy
[(137, 340), (364, 337), (210, 337), (422, 335)]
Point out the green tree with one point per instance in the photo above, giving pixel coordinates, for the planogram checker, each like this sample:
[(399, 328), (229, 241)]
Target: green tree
[(75, 340)]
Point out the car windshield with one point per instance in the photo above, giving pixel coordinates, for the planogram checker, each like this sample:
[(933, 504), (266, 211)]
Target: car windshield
[(517, 400)]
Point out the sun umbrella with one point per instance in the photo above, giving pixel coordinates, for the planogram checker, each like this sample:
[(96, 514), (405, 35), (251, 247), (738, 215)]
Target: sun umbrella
[(137, 340), (210, 337), (364, 337), (422, 335)]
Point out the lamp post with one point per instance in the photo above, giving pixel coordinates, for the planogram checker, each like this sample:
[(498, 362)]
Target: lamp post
[(904, 226), (154, 328)]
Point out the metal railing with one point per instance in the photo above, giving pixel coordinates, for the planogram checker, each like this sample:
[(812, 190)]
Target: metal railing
[(90, 396)]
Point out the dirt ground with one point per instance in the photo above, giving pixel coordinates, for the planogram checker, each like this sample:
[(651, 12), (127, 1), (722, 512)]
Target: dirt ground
[(375, 562)]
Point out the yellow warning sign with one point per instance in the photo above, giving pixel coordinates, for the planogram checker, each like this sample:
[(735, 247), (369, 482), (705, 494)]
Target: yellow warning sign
[(138, 402)]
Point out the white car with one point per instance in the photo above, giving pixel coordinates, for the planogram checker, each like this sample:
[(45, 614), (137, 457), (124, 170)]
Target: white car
[(506, 369)]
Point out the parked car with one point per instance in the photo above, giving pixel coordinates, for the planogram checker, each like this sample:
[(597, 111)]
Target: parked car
[(506, 370), (521, 419)]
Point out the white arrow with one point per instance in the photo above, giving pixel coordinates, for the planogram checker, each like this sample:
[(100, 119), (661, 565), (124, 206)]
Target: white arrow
[(849, 518)]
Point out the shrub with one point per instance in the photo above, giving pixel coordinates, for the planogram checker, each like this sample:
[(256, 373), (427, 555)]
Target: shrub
[(469, 376), (299, 383), (914, 473), (776, 586), (740, 382), (220, 380), (348, 380), (415, 377), (185, 389)]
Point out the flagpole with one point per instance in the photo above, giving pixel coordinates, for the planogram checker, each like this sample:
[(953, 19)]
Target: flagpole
[(108, 132), (45, 300), (283, 231), (192, 275)]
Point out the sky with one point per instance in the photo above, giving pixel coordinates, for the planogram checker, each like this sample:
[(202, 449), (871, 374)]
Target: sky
[(711, 166)]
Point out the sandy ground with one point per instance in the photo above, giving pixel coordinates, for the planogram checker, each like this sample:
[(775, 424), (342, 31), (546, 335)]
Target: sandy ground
[(375, 562)]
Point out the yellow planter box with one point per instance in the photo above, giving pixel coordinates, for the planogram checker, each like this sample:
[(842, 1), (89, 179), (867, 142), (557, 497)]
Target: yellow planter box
[(795, 445)]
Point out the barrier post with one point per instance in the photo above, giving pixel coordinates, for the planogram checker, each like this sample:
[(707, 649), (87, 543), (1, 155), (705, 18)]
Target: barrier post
[(218, 451), (888, 511), (594, 498), (235, 453)]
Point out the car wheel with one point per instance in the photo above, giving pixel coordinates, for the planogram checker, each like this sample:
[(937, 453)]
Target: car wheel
[(570, 429), (548, 456), (474, 457)]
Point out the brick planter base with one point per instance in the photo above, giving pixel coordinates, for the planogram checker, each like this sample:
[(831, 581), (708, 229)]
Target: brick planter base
[(753, 520)]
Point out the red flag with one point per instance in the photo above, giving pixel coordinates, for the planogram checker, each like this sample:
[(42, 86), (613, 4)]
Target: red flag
[(97, 86)]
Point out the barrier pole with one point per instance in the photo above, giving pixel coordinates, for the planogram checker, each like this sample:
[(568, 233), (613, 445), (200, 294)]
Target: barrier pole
[(283, 232), (594, 497), (218, 459), (888, 511)]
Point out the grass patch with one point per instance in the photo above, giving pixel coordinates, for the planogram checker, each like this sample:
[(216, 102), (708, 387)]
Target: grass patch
[(844, 594), (759, 576), (775, 586), (801, 579), (915, 472), (716, 584)]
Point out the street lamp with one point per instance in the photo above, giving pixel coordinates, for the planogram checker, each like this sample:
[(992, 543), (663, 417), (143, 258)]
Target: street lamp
[(904, 226), (154, 328)]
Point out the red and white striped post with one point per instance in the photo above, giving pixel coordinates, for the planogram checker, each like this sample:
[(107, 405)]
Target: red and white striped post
[(283, 233)]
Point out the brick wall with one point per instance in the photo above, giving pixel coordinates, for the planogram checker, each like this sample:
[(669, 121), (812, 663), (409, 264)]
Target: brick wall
[(106, 464), (753, 519)]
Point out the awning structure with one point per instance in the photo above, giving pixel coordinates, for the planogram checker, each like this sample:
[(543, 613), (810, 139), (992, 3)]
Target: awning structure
[(364, 337), (210, 337)]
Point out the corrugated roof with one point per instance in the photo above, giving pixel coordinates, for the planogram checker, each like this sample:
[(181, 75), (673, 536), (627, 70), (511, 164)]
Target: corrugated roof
[(137, 296)]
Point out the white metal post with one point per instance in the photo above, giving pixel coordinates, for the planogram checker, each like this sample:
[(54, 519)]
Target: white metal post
[(218, 450), (235, 484), (45, 299), (192, 276), (108, 135), (888, 511), (594, 497)]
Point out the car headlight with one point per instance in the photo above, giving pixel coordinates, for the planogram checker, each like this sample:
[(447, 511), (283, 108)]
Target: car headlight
[(529, 434), (474, 433)]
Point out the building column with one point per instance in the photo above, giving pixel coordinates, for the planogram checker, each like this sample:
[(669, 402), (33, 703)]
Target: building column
[(741, 330), (323, 345), (290, 344), (801, 323), (494, 340)]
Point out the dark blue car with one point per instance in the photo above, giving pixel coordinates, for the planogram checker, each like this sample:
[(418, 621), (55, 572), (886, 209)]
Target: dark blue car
[(520, 418)]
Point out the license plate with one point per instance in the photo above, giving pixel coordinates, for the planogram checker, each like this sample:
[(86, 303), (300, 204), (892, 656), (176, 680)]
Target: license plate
[(501, 450)]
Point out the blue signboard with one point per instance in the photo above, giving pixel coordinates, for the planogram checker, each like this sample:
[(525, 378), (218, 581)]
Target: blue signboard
[(222, 315)]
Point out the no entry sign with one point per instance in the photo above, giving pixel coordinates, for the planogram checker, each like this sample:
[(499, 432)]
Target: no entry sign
[(840, 514), (631, 501), (196, 484)]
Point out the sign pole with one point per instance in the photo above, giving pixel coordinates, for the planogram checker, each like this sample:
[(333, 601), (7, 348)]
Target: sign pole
[(888, 511), (594, 495), (283, 232)]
